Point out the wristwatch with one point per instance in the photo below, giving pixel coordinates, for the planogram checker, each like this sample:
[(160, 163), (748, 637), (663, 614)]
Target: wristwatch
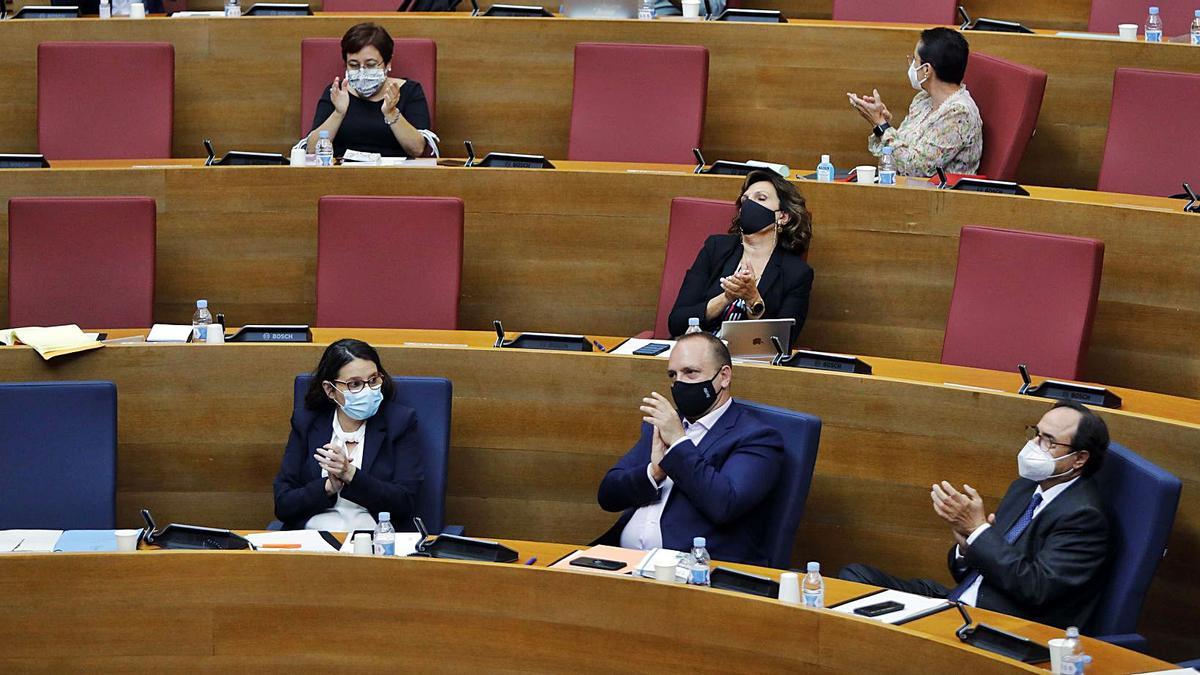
[(757, 308), (880, 129)]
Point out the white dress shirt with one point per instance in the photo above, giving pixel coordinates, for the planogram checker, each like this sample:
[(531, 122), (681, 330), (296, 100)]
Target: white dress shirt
[(971, 595), (644, 529), (345, 516)]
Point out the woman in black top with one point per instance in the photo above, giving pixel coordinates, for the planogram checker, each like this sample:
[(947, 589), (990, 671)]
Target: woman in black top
[(367, 110), (758, 270)]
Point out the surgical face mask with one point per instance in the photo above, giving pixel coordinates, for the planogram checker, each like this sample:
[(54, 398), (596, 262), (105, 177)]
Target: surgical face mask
[(1037, 464), (693, 399), (363, 404), (754, 217), (912, 77), (366, 81)]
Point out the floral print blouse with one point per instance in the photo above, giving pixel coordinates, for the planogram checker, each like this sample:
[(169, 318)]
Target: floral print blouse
[(950, 136)]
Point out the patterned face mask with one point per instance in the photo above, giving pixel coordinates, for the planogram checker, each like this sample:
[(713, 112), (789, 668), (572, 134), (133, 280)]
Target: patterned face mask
[(366, 81)]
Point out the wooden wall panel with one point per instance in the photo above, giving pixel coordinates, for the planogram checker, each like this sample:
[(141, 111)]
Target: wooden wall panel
[(776, 92)]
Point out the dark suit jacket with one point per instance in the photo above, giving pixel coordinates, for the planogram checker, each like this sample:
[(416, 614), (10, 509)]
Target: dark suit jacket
[(388, 480), (1054, 573), (784, 285), (721, 492)]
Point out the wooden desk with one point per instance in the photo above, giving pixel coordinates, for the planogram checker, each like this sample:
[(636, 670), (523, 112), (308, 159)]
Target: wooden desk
[(581, 249), (776, 92), (203, 427), (156, 610)]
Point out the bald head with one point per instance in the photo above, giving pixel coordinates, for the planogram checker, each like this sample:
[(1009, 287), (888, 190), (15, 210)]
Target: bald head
[(707, 348)]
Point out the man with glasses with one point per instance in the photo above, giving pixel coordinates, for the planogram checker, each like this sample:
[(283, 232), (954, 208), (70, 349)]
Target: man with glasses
[(1042, 554)]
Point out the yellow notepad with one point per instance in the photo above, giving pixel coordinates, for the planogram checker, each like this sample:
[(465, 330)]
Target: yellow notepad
[(56, 340)]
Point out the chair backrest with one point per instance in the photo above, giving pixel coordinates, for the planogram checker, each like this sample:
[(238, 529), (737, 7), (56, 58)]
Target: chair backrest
[(1009, 96), (638, 103), (801, 437), (82, 260), (432, 399), (1023, 297), (321, 61), (692, 221), (1142, 499), (59, 450), (930, 12), (1176, 15), (105, 100), (1152, 143), (389, 262)]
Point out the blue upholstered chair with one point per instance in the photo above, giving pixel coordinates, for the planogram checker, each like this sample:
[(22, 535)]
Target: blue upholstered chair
[(1142, 499), (59, 452), (431, 397), (801, 436)]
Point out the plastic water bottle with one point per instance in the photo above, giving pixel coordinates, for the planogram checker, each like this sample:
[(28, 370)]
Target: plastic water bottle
[(700, 563), (812, 587), (887, 167), (646, 10), (232, 8), (1196, 29), (324, 150), (693, 326), (201, 320), (1072, 650), (105, 9), (1153, 26), (385, 535), (825, 170)]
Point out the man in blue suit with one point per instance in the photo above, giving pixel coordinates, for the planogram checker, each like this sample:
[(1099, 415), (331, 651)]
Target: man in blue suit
[(709, 474)]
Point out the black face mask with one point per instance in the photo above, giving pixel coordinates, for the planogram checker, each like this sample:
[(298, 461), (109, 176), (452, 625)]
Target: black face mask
[(755, 217), (693, 399)]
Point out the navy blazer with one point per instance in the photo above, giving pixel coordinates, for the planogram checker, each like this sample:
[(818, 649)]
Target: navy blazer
[(784, 285), (722, 488), (1054, 573), (388, 480)]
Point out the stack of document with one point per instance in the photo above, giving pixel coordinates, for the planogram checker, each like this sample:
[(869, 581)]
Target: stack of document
[(28, 541), (291, 540), (913, 606), (53, 341), (631, 557)]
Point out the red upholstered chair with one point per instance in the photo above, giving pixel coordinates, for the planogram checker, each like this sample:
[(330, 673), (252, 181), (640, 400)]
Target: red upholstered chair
[(1009, 96), (1176, 15), (81, 260), (1152, 142), (638, 103), (389, 262), (932, 12), (692, 221), (321, 61), (105, 100), (1023, 297)]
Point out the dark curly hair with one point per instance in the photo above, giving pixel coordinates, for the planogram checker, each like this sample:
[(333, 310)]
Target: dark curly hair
[(796, 235)]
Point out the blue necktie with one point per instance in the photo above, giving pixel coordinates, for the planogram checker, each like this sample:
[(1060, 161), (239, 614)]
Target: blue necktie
[(1012, 535)]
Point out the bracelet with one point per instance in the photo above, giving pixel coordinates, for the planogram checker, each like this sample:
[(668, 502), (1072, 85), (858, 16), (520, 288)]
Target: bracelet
[(393, 120)]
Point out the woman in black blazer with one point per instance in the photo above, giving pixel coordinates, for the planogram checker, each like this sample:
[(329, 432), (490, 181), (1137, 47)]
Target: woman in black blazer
[(758, 269), (353, 450)]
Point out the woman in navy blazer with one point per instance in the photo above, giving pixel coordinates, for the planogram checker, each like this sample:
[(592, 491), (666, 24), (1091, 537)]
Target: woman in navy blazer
[(757, 270), (353, 449)]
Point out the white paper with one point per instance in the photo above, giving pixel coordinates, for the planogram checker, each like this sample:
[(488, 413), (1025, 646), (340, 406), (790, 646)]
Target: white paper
[(662, 556), (28, 541), (169, 332), (913, 605), (633, 344), (309, 540), (194, 14), (406, 543)]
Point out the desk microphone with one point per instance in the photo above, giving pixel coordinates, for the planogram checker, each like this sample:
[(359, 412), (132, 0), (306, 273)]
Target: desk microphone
[(470, 147)]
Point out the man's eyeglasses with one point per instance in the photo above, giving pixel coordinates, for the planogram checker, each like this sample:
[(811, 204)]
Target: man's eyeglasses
[(354, 386), (1032, 433)]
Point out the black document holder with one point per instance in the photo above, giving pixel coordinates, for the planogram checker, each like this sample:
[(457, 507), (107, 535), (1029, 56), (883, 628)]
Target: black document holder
[(453, 547), (1000, 642), (192, 537)]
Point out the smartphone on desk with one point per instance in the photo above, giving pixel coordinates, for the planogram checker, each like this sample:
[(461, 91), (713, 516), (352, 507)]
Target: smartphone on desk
[(598, 564), (879, 608), (651, 349)]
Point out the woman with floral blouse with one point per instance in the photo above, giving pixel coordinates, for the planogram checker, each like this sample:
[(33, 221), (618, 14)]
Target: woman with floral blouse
[(942, 128)]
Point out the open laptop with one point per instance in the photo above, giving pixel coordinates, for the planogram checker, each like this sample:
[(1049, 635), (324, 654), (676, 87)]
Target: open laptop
[(600, 9), (750, 340)]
